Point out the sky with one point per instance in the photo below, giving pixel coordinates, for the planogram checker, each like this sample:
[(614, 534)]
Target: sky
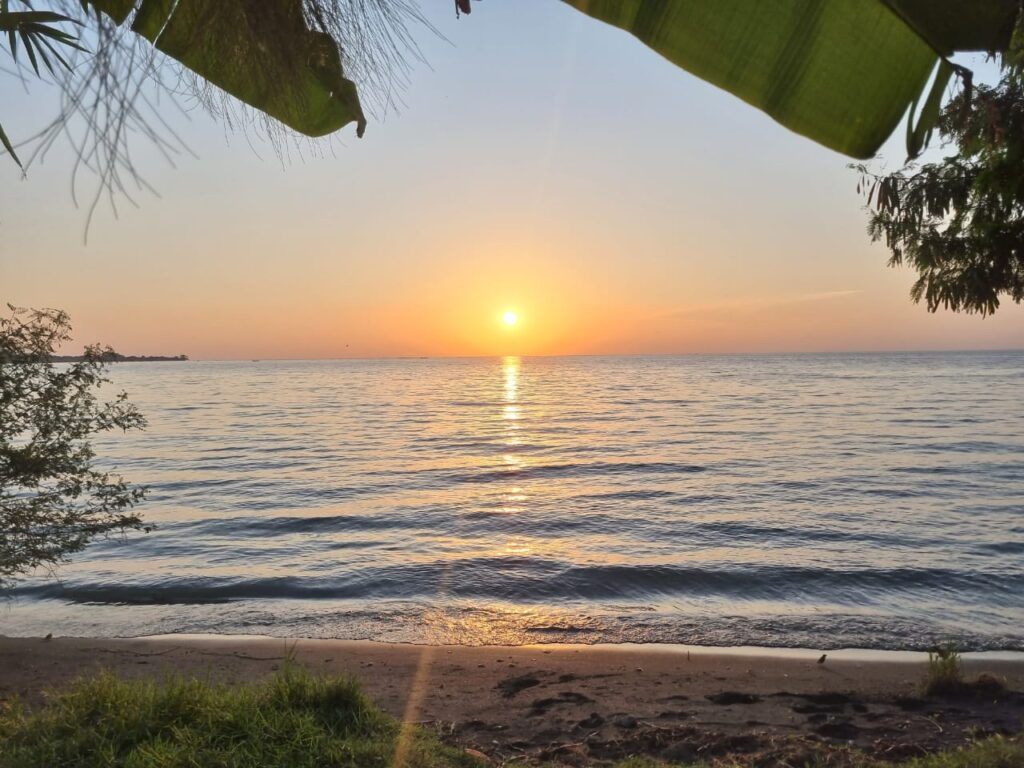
[(540, 162)]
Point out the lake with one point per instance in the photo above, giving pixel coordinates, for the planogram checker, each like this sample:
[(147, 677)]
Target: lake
[(832, 500)]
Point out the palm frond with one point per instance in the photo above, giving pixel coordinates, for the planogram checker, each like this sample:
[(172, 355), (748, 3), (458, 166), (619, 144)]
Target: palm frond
[(8, 147), (39, 40)]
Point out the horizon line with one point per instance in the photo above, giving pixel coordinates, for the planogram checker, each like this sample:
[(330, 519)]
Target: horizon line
[(961, 350)]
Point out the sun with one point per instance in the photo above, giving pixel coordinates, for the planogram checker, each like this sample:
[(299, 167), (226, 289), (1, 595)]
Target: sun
[(510, 318)]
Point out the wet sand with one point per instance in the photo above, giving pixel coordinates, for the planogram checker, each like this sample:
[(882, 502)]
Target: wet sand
[(576, 704)]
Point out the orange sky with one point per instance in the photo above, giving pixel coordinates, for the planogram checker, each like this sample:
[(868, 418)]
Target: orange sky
[(543, 163)]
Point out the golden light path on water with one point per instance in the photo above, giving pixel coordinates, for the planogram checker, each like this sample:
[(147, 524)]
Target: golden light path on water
[(511, 415), (421, 682)]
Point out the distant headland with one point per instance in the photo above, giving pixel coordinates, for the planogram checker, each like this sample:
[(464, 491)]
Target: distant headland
[(114, 357)]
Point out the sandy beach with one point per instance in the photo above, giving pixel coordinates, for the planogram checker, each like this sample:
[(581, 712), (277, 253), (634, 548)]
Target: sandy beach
[(580, 703)]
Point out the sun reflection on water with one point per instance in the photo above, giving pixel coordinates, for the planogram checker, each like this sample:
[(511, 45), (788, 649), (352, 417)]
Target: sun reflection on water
[(510, 366), (511, 413), (513, 498)]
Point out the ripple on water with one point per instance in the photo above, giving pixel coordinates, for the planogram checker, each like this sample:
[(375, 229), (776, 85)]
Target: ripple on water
[(791, 500)]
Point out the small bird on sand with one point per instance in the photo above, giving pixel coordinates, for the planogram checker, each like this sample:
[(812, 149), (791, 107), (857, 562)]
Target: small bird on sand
[(821, 659)]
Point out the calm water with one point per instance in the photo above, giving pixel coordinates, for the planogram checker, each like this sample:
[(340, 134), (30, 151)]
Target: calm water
[(809, 500)]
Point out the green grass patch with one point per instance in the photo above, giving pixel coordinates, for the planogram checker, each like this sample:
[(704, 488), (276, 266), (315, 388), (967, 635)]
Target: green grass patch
[(292, 719), (945, 675), (991, 753)]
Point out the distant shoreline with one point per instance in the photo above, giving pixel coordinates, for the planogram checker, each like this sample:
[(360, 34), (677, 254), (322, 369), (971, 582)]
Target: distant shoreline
[(622, 355), (113, 357)]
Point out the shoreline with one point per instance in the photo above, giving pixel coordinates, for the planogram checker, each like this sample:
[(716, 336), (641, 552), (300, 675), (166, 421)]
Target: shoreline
[(539, 701), (758, 651)]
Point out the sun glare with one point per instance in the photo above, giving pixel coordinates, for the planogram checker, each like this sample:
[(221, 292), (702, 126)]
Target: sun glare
[(510, 318)]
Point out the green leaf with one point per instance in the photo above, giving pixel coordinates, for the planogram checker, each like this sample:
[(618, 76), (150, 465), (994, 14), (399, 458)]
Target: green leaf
[(7, 146), (15, 19), (56, 54), (33, 27), (918, 136), (953, 25), (26, 40), (841, 72), (117, 10), (262, 53), (19, 19)]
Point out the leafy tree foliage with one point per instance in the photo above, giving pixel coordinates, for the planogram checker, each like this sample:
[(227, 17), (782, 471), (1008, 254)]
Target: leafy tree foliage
[(960, 221), (53, 499)]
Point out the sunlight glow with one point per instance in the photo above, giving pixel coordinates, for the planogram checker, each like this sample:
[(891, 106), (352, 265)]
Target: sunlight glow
[(510, 318)]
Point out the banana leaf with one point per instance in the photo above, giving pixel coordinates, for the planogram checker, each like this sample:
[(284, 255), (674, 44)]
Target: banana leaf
[(117, 10), (960, 25), (262, 52), (841, 72)]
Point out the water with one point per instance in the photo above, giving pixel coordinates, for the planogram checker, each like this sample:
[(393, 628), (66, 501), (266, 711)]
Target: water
[(872, 501)]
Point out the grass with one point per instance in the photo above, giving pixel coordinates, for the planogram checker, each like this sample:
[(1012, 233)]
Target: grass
[(945, 675), (292, 720), (991, 753)]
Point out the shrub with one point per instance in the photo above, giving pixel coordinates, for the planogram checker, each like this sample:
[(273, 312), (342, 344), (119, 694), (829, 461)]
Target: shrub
[(945, 673)]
